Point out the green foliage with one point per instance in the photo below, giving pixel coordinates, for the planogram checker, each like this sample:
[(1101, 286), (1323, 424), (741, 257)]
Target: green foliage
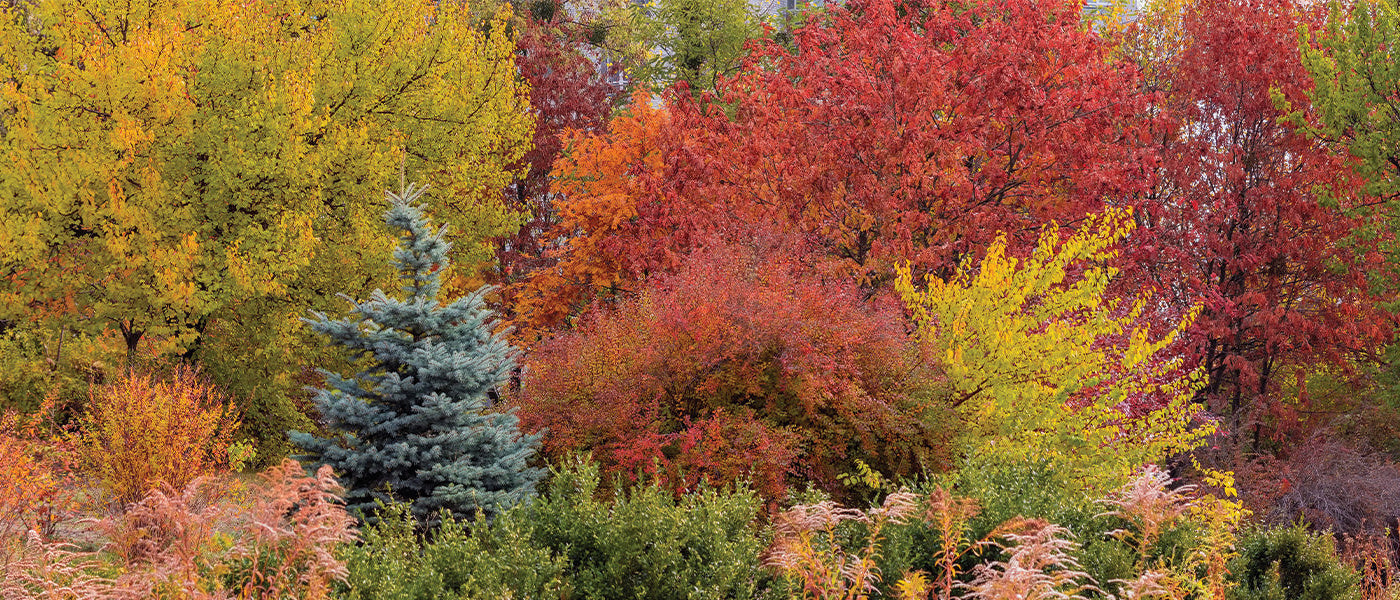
[(691, 41), (646, 543), (569, 544), (1356, 76), (36, 361), (484, 559), (1291, 563)]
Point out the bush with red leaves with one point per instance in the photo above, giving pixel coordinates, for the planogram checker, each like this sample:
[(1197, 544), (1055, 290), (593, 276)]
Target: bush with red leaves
[(740, 365)]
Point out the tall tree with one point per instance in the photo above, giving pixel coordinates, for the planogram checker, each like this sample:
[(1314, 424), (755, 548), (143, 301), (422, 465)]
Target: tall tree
[(569, 92), (413, 426), (193, 174), (894, 131), (1254, 218)]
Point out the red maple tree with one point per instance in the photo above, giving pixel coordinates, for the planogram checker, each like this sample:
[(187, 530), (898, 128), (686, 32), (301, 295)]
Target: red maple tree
[(1254, 219), (893, 131)]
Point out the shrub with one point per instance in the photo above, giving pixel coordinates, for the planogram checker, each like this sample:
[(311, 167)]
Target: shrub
[(569, 544), (483, 559), (1336, 486), (140, 433), (36, 482), (740, 365), (289, 547), (1291, 563), (649, 543)]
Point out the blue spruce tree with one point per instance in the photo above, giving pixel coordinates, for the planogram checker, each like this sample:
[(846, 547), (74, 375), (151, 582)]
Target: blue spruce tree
[(415, 424)]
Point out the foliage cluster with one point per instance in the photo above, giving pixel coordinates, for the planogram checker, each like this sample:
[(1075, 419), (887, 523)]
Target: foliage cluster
[(646, 543), (141, 433), (200, 542)]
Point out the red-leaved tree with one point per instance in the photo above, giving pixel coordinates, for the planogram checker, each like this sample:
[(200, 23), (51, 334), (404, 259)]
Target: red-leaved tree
[(1254, 219), (568, 92), (895, 131)]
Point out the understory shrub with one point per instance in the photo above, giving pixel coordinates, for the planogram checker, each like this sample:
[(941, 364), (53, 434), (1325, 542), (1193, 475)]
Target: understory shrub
[(480, 559), (141, 432), (205, 541), (567, 543), (1148, 539), (1291, 563), (646, 542)]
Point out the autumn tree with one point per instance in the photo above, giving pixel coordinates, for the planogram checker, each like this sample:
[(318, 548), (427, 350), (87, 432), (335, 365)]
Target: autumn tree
[(1255, 219), (893, 131), (569, 92), (192, 174), (1043, 363), (742, 364), (1351, 62), (695, 42)]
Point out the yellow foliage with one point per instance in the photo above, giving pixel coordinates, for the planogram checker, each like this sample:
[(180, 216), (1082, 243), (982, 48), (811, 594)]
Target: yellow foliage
[(140, 433), (199, 173), (185, 156), (1041, 364)]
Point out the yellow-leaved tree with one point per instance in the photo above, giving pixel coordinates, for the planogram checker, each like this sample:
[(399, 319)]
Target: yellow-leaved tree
[(193, 175), (1042, 365)]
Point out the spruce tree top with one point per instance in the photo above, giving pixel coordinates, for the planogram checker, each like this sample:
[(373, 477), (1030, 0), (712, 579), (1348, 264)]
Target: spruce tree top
[(413, 426)]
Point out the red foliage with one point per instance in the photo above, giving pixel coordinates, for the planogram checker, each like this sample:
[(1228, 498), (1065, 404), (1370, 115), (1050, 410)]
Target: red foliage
[(567, 93), (1239, 219), (741, 364), (896, 131)]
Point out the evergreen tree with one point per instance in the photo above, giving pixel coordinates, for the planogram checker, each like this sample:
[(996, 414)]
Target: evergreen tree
[(414, 424)]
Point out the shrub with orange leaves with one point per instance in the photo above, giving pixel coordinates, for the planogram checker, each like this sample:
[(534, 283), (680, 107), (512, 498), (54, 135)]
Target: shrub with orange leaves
[(142, 432), (739, 366), (36, 481)]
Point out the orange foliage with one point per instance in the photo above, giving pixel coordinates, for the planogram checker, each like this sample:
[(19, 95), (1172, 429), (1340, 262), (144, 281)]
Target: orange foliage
[(738, 366), (599, 175), (35, 482), (140, 433)]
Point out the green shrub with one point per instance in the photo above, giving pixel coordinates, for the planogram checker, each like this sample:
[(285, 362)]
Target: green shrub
[(646, 543), (480, 560), (1293, 564)]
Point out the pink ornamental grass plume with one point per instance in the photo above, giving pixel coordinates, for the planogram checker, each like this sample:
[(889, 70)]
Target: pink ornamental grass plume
[(1040, 567)]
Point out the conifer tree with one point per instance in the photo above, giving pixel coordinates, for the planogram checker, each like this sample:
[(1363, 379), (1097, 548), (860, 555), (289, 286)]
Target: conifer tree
[(414, 425)]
